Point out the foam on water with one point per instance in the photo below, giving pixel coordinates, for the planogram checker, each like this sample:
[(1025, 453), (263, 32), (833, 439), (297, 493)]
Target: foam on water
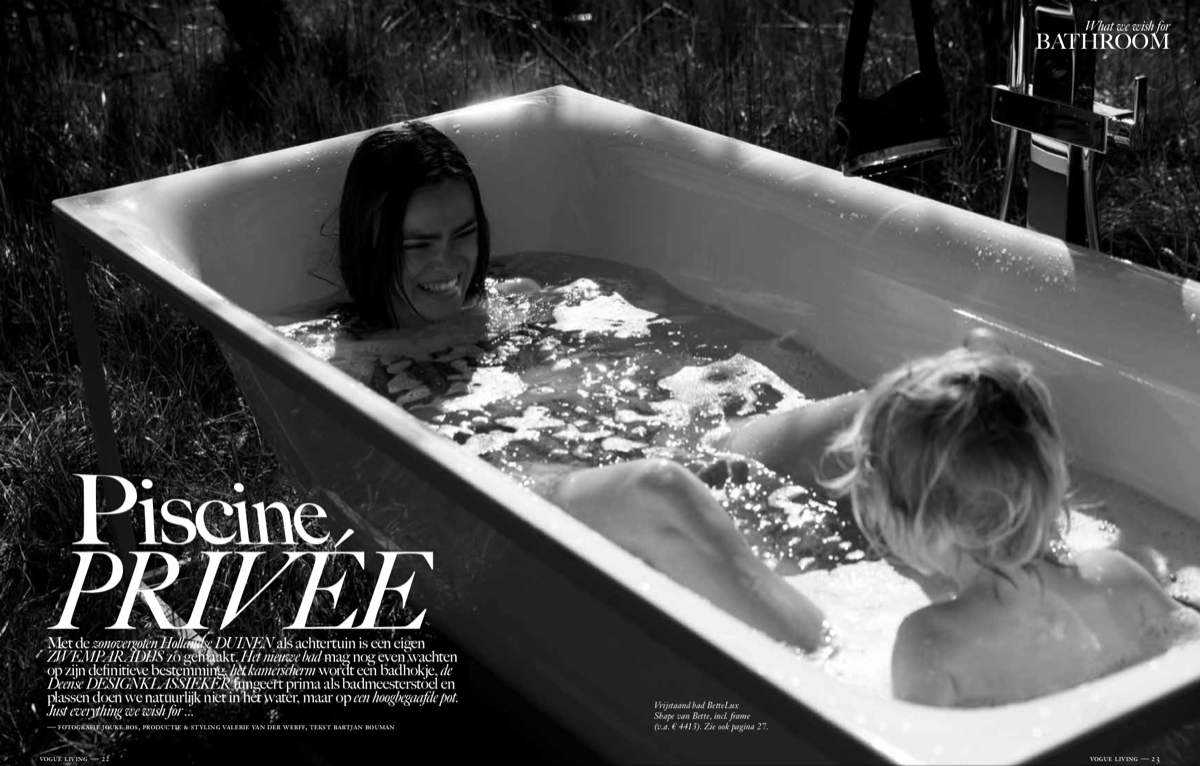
[(621, 365), (612, 367), (1165, 541), (1175, 629), (866, 601)]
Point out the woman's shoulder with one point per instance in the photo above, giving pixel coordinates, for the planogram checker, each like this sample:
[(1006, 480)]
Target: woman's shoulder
[(1109, 568), (946, 629), (1133, 596), (925, 655)]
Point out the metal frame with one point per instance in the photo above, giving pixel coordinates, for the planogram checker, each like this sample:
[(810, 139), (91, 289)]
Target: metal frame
[(1066, 129)]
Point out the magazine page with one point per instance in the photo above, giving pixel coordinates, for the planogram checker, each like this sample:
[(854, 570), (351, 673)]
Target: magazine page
[(506, 377)]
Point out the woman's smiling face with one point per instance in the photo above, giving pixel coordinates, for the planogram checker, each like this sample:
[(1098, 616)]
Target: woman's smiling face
[(440, 242)]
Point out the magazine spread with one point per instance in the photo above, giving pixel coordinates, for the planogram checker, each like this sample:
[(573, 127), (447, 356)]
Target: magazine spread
[(600, 381)]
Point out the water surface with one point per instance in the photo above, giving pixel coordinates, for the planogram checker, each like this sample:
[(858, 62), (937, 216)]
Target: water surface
[(618, 365)]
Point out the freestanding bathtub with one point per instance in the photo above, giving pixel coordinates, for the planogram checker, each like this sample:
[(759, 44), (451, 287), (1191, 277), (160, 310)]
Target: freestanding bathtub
[(865, 275)]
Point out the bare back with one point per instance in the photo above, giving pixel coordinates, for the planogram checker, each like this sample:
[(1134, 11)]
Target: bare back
[(1050, 628)]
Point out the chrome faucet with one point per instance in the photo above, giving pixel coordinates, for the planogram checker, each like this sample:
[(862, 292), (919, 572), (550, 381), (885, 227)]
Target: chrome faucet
[(1050, 98)]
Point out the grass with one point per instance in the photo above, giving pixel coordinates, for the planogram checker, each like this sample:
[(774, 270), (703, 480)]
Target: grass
[(103, 96)]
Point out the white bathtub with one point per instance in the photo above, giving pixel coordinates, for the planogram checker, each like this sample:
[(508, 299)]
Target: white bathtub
[(864, 274)]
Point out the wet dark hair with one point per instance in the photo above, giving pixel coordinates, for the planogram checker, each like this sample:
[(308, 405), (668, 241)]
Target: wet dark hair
[(387, 168)]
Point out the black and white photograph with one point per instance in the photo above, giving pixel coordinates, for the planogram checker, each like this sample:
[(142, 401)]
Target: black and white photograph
[(600, 381)]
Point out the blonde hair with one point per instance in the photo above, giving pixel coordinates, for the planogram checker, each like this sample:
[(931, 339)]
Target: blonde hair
[(956, 455)]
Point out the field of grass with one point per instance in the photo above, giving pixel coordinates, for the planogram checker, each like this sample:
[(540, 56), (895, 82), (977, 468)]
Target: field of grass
[(99, 95)]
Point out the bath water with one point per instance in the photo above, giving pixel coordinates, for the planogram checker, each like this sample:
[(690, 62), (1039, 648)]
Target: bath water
[(866, 601), (620, 365), (615, 366)]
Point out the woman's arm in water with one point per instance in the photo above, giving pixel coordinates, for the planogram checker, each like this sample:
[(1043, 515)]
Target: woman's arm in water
[(793, 443), (660, 512)]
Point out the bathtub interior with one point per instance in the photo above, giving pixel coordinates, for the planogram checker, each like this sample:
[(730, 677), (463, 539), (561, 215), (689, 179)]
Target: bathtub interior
[(862, 274), (493, 598)]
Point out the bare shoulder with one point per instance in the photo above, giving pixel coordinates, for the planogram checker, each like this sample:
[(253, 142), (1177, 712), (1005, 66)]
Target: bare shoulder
[(923, 658), (1124, 578), (1112, 568)]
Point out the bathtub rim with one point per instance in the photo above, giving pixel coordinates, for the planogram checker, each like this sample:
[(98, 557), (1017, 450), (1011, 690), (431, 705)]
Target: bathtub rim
[(77, 223), (659, 614)]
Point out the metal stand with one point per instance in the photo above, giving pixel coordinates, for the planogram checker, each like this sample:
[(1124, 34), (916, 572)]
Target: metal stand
[(95, 389), (1050, 98), (905, 125)]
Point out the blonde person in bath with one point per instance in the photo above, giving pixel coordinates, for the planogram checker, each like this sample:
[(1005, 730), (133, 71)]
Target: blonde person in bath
[(955, 467), (414, 250)]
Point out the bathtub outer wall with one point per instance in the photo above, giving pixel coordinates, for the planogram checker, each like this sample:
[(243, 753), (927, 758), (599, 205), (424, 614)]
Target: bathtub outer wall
[(863, 274)]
